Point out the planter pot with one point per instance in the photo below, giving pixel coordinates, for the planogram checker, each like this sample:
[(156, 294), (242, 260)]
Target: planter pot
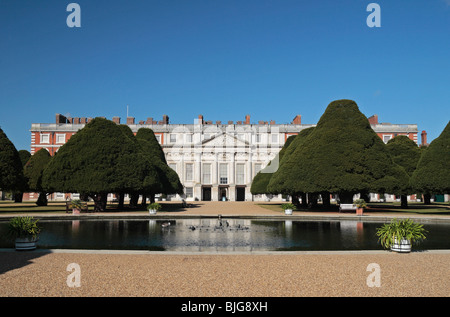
[(404, 246), (288, 211), (28, 243), (75, 211), (359, 211), (152, 211)]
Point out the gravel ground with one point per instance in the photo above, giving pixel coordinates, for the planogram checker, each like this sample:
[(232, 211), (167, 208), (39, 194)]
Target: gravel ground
[(225, 275), (297, 274)]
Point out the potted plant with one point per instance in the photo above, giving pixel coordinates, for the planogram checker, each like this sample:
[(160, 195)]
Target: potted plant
[(360, 205), (25, 231), (398, 235), (288, 207), (153, 208), (76, 206)]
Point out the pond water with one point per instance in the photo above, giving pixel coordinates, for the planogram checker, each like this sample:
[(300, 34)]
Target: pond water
[(207, 234)]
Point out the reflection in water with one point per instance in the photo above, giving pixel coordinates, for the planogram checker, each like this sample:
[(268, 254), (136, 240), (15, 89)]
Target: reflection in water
[(213, 234), (75, 226)]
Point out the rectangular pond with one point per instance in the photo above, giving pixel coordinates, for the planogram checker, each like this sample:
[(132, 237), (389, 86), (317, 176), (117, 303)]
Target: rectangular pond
[(213, 234)]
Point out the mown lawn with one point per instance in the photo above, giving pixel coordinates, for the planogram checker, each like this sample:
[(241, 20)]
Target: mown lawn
[(60, 207), (413, 207)]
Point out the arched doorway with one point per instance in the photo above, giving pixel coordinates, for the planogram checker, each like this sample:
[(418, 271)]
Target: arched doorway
[(223, 193)]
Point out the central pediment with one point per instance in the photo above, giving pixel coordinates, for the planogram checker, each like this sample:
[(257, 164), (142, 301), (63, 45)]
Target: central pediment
[(224, 140)]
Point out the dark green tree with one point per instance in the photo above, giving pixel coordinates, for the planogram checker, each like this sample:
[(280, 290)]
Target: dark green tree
[(342, 155), (11, 169), (432, 175), (33, 171), (170, 182), (279, 183), (262, 179), (406, 153), (24, 157), (151, 183), (97, 160)]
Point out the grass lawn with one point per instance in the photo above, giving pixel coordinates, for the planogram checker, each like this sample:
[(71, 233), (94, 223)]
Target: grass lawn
[(60, 207), (413, 207)]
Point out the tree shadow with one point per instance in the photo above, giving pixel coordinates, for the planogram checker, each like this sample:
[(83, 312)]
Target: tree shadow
[(179, 207), (12, 259), (165, 207)]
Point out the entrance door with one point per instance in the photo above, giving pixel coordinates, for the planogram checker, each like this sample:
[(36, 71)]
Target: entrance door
[(206, 193), (223, 194), (240, 193)]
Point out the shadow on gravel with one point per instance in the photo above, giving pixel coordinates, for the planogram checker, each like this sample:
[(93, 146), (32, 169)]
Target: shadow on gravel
[(12, 259)]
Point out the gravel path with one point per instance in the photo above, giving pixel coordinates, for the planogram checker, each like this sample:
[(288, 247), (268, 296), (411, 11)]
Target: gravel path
[(297, 274), (225, 275)]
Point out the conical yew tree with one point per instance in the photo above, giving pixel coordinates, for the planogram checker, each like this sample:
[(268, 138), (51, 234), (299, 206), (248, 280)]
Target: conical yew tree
[(405, 153), (169, 180), (11, 170), (18, 194), (33, 171), (97, 160), (432, 175), (262, 179), (342, 155), (279, 183)]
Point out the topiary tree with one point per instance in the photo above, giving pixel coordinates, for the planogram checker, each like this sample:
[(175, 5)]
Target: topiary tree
[(262, 178), (406, 153), (170, 182), (153, 182), (33, 171), (281, 184), (342, 155), (97, 160), (11, 170), (24, 157), (432, 175)]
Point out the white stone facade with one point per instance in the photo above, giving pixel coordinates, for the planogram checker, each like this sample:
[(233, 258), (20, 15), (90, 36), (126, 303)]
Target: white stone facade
[(219, 162), (214, 161)]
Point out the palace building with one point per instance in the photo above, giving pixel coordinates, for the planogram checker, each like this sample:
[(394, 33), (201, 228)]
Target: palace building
[(214, 160)]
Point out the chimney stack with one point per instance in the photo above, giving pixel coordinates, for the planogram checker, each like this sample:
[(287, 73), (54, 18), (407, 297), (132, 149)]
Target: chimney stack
[(130, 120), (297, 119), (424, 138), (116, 120), (247, 119), (373, 119), (165, 119), (200, 119), (60, 119)]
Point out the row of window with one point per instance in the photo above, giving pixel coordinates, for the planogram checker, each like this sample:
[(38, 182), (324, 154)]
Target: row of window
[(206, 177), (189, 137), (60, 138)]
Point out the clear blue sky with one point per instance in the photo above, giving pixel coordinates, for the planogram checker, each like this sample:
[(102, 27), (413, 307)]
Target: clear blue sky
[(223, 59)]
